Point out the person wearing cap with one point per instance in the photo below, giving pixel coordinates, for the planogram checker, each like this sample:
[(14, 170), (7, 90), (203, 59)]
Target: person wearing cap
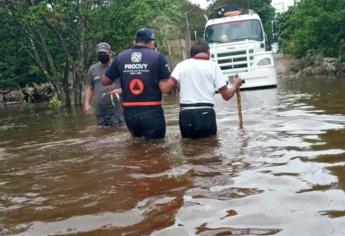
[(198, 79), (140, 70), (107, 98)]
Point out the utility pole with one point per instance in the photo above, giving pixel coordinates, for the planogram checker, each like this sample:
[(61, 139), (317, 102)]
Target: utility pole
[(188, 42)]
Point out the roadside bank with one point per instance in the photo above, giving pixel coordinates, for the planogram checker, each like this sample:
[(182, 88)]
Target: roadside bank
[(290, 67)]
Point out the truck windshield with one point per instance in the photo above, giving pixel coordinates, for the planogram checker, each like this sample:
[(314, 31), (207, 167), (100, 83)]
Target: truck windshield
[(234, 31)]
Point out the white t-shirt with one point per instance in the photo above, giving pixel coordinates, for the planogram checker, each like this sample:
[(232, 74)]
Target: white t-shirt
[(198, 80)]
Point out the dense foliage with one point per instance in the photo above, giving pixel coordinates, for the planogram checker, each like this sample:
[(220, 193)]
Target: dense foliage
[(53, 41), (313, 27), (193, 17)]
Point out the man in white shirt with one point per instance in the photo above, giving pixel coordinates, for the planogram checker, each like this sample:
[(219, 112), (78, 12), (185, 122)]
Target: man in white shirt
[(198, 79)]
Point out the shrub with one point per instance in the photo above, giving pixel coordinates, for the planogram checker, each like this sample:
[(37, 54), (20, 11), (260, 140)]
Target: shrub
[(55, 104)]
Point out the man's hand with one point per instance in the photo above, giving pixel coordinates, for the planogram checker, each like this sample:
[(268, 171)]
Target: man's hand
[(117, 91), (167, 85), (88, 98), (228, 91), (237, 82), (88, 109)]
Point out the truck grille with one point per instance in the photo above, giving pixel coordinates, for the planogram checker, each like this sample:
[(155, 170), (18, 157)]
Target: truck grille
[(234, 61)]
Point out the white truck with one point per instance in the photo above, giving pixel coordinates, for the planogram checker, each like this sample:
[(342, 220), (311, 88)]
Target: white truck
[(238, 44)]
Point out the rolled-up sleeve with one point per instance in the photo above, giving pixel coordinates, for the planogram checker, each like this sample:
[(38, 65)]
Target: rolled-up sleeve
[(220, 79), (176, 73), (164, 72)]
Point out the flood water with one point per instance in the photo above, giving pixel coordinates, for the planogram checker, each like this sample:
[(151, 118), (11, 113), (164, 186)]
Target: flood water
[(283, 174)]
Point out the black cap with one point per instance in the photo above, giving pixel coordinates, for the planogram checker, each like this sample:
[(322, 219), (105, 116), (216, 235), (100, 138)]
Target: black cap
[(145, 34)]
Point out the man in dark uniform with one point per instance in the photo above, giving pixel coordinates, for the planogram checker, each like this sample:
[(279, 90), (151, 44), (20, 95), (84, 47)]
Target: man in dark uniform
[(140, 70)]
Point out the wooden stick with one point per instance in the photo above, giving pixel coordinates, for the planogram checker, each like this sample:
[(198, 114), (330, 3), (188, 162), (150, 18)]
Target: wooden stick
[(239, 108)]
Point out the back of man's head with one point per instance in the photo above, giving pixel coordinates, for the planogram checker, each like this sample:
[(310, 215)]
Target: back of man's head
[(144, 35), (199, 47)]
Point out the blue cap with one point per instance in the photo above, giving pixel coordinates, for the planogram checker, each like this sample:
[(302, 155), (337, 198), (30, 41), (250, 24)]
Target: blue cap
[(145, 34)]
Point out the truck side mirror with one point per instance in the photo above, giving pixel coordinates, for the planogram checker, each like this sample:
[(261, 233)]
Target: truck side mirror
[(274, 29), (195, 36), (268, 46)]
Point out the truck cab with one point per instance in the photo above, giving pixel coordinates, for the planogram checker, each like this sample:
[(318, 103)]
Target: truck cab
[(238, 44)]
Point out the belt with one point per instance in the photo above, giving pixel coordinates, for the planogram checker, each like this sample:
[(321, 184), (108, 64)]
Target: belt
[(198, 104)]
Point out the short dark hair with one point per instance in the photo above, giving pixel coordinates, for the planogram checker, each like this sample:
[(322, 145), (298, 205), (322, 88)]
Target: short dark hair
[(199, 47), (142, 41)]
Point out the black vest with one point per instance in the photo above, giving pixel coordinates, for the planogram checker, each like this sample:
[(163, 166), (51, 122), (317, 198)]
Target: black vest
[(139, 73)]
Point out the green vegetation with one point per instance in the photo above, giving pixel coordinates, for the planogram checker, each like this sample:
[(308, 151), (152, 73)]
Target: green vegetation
[(313, 28), (54, 40), (55, 104)]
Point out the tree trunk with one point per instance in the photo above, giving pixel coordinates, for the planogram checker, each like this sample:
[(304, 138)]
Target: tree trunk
[(66, 85), (60, 90), (67, 101), (80, 69), (78, 87)]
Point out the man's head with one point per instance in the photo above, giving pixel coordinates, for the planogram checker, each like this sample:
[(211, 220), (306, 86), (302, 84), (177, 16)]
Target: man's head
[(199, 47), (103, 51), (145, 36)]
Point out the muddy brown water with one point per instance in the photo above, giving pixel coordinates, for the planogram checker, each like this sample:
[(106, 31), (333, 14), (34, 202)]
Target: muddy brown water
[(283, 174)]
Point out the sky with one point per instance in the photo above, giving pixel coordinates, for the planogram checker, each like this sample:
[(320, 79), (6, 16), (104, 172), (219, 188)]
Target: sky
[(202, 3)]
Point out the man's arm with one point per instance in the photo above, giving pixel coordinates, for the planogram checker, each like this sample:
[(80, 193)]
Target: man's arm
[(111, 74), (105, 80), (88, 98), (167, 85), (228, 92)]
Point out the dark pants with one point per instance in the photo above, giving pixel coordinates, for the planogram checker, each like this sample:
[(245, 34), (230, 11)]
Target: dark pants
[(111, 120), (198, 123), (145, 121), (108, 112)]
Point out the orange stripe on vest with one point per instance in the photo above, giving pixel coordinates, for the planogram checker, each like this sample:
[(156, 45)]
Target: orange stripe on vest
[(134, 104)]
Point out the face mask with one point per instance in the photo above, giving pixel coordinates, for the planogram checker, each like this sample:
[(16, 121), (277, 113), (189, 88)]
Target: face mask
[(104, 59)]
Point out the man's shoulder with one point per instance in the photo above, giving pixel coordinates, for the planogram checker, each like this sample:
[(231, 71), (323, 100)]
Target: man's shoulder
[(123, 54), (126, 51), (94, 67), (207, 63), (186, 62)]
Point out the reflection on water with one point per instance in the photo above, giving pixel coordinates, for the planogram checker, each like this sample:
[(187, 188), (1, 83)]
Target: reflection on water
[(282, 174)]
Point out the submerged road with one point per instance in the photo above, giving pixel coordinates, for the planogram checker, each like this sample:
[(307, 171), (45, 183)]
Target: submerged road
[(283, 174)]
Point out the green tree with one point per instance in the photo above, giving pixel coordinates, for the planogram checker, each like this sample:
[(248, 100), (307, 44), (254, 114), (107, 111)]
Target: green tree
[(314, 27), (48, 34), (16, 69), (58, 37), (192, 15)]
